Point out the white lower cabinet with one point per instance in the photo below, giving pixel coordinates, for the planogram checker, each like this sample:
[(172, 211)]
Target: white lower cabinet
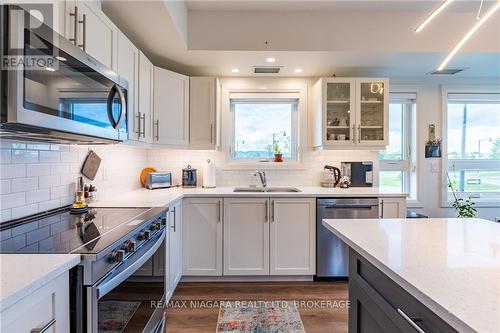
[(175, 245), (246, 236), (392, 207), (293, 236), (48, 305), (202, 236)]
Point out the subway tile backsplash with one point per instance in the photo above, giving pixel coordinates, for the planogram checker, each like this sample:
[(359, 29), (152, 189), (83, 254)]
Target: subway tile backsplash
[(35, 177)]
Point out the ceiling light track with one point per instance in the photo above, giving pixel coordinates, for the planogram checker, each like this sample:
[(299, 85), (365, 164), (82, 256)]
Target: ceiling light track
[(432, 15), (469, 34)]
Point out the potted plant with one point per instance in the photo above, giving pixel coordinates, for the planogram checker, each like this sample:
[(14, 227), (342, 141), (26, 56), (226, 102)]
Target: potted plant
[(278, 156), (464, 208), (433, 148)]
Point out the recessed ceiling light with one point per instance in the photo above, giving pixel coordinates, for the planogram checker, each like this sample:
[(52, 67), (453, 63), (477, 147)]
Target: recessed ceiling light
[(235, 70), (61, 58), (271, 59), (298, 70)]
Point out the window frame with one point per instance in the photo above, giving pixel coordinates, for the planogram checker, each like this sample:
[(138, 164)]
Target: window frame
[(257, 92), (408, 164), (464, 164)]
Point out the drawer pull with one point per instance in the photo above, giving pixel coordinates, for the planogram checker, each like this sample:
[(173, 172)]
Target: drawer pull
[(410, 321), (44, 328)]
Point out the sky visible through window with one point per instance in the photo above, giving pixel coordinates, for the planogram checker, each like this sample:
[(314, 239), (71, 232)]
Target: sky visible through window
[(256, 125), (480, 137)]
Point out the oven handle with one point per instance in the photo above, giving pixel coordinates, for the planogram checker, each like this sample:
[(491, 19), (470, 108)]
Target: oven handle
[(128, 268)]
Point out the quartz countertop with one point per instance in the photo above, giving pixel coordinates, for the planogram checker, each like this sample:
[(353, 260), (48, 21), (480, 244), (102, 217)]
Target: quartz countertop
[(164, 197), (22, 274), (452, 266)]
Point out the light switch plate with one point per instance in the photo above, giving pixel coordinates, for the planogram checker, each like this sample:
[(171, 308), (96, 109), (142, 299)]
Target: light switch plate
[(434, 167)]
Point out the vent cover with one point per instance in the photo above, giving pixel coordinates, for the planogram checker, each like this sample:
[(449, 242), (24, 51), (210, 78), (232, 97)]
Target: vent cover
[(267, 70), (449, 71)]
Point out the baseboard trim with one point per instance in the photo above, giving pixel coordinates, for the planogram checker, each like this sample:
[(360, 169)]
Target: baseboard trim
[(246, 278)]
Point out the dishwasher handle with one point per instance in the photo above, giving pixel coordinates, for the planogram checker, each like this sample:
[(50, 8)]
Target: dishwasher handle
[(350, 206)]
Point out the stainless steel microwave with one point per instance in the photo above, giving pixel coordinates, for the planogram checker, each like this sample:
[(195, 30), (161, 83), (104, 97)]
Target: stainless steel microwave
[(53, 91)]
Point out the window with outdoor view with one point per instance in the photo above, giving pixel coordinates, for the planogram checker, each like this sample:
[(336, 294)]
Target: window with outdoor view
[(263, 128), (473, 146), (397, 165)]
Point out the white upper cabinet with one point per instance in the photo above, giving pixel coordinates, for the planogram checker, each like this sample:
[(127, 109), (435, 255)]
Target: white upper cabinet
[(128, 68), (246, 236), (293, 236), (202, 236), (143, 117), (350, 113), (171, 108), (204, 112), (91, 30)]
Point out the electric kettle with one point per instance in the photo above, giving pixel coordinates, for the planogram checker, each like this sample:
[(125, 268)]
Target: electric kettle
[(331, 176)]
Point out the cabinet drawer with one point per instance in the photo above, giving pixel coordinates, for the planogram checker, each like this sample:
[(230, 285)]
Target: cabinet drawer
[(40, 309), (369, 278)]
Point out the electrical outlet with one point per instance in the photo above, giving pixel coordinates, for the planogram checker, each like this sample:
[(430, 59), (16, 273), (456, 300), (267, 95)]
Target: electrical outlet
[(434, 167)]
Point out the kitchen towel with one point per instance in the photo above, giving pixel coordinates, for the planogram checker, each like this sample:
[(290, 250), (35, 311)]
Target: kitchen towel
[(209, 174)]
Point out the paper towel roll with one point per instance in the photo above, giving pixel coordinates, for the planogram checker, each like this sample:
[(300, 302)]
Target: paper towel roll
[(209, 174)]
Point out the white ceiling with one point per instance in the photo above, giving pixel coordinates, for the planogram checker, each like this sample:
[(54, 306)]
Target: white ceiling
[(329, 5), (329, 37)]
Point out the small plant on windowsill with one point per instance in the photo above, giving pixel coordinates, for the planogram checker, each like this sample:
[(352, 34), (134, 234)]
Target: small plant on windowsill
[(276, 150), (465, 208)]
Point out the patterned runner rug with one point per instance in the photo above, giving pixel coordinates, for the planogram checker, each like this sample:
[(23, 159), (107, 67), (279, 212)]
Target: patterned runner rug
[(259, 317)]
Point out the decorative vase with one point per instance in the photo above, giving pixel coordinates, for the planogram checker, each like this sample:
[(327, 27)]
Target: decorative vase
[(278, 157)]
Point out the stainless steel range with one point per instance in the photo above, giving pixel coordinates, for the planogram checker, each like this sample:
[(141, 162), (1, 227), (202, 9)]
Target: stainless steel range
[(114, 245)]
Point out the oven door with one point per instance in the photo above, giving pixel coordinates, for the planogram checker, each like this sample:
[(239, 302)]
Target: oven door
[(60, 89), (125, 303)]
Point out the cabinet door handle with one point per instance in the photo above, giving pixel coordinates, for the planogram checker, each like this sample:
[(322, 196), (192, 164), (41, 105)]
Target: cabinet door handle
[(272, 210), (157, 124), (143, 125), (138, 116), (211, 133), (175, 220), (75, 25), (353, 128), (382, 208), (219, 214), (410, 321), (266, 217), (44, 327), (359, 133), (84, 34)]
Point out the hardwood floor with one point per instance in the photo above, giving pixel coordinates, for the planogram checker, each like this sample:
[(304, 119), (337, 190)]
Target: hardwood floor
[(317, 317)]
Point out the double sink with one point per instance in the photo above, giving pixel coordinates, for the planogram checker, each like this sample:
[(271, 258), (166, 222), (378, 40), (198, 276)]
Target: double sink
[(266, 189)]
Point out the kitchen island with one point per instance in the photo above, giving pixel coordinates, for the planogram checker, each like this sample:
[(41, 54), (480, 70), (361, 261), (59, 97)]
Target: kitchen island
[(432, 275)]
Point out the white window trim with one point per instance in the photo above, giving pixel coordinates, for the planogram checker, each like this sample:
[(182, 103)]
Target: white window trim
[(417, 148), (445, 90), (299, 93)]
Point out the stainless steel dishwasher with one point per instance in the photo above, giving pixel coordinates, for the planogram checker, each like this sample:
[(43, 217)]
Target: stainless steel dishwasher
[(332, 255)]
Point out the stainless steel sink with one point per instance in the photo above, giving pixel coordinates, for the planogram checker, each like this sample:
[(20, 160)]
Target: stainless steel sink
[(266, 189)]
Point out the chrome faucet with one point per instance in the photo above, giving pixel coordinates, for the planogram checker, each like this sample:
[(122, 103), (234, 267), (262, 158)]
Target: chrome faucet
[(262, 176)]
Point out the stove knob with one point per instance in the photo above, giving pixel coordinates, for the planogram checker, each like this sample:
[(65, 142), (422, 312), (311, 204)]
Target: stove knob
[(130, 246), (158, 225), (143, 235), (152, 227), (117, 256)]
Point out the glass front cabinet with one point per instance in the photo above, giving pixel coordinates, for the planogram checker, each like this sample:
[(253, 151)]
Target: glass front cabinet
[(350, 112)]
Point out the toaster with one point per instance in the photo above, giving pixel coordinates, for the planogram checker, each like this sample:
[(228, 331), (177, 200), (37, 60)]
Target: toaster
[(158, 180)]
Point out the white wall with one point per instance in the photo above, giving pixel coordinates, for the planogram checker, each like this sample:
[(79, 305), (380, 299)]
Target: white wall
[(430, 111)]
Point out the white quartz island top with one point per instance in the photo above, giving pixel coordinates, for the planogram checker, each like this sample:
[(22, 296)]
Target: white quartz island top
[(22, 274), (164, 197), (450, 265)]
